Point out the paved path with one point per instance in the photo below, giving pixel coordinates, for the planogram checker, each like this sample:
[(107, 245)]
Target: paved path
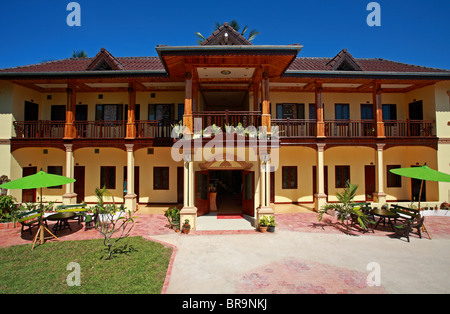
[(302, 256), (298, 262)]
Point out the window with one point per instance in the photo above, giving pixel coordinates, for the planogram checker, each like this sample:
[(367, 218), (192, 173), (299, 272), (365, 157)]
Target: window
[(58, 113), (160, 178), (160, 112), (366, 112), (55, 170), (289, 174), (290, 111), (180, 112), (393, 180), (342, 111), (109, 112), (108, 177), (342, 176), (389, 112)]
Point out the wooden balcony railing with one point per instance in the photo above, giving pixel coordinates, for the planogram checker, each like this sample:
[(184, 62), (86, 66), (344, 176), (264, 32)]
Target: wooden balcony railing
[(350, 128), (154, 128), (39, 129), (407, 128), (223, 118), (288, 128), (295, 127), (101, 129)]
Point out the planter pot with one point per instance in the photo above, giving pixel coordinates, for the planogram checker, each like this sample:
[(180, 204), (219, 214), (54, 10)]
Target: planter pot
[(263, 229), (271, 228), (186, 230)]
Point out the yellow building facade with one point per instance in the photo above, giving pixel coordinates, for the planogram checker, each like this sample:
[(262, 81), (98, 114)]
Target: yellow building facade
[(109, 121)]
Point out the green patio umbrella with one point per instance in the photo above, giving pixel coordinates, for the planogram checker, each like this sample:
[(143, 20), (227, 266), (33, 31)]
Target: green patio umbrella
[(38, 181), (423, 173)]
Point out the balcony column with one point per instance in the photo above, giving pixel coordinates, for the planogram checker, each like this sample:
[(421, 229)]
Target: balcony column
[(131, 118), (130, 199), (319, 110), (380, 195), (265, 93), (70, 131), (188, 119), (264, 183), (320, 198), (69, 197), (378, 107), (189, 211)]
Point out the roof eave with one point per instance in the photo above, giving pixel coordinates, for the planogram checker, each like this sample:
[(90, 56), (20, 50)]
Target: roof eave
[(368, 74), (11, 75)]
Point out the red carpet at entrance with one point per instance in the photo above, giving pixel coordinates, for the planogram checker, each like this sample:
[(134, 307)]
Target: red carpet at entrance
[(230, 216)]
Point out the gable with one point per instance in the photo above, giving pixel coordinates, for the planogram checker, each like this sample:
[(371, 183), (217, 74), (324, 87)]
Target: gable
[(344, 61), (104, 61), (225, 35)]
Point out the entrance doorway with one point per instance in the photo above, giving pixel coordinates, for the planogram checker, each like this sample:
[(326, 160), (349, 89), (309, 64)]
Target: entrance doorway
[(228, 185), (369, 182), (29, 196), (225, 191)]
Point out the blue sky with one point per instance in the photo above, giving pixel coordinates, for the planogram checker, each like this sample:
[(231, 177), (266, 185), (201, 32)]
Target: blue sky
[(416, 32)]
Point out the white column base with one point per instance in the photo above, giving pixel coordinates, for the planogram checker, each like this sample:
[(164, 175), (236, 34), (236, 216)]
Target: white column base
[(189, 213), (69, 198), (320, 200), (131, 202)]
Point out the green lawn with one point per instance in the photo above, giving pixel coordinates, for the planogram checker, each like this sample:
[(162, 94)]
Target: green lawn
[(139, 267)]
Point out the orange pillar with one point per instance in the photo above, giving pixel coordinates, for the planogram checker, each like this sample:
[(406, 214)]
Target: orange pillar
[(188, 119), (266, 118), (70, 131), (131, 118), (378, 106), (319, 110)]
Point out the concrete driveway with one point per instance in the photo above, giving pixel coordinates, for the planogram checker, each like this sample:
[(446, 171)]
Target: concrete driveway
[(299, 262)]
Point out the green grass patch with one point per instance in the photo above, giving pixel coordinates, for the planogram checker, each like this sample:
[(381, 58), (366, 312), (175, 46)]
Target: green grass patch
[(139, 266)]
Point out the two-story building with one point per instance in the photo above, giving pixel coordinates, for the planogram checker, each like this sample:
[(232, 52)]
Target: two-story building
[(107, 121)]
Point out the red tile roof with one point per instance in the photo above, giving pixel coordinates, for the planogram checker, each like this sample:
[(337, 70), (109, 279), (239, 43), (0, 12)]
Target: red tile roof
[(81, 64), (155, 64), (369, 65)]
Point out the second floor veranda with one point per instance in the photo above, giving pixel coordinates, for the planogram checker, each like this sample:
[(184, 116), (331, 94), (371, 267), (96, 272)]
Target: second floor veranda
[(286, 128)]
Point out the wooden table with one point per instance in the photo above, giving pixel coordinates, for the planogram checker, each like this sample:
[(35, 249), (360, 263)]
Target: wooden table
[(61, 220), (384, 214)]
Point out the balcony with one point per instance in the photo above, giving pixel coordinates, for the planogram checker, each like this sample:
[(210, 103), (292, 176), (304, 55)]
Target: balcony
[(223, 118), (288, 128)]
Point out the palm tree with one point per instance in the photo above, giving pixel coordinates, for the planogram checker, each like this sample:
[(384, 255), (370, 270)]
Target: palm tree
[(345, 207), (79, 54), (234, 24)]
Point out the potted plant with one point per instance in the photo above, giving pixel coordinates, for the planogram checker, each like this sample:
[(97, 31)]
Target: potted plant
[(272, 224), (186, 226), (173, 217), (263, 224)]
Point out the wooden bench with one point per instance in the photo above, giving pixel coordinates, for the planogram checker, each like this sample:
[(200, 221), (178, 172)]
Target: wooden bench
[(413, 216), (405, 212), (30, 219), (78, 209)]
